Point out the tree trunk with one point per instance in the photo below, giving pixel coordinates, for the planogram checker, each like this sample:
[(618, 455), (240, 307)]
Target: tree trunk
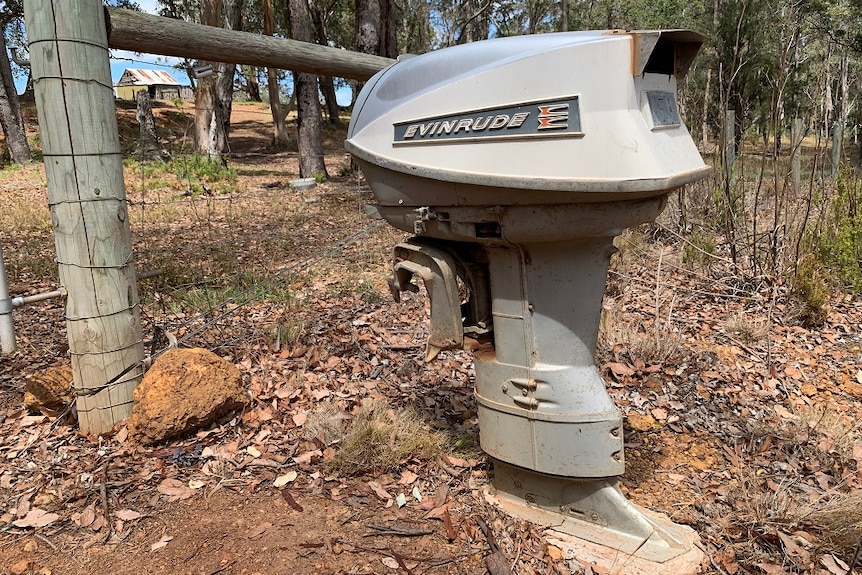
[(311, 161), (564, 15), (205, 94), (10, 112), (327, 87), (375, 30), (704, 120), (252, 86), (217, 140), (280, 137), (149, 147)]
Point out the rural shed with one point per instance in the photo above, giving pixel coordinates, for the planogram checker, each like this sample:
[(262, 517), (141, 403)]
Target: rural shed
[(160, 84)]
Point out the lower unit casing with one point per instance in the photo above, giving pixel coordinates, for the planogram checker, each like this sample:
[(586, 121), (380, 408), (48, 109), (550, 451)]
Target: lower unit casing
[(542, 404), (545, 415)]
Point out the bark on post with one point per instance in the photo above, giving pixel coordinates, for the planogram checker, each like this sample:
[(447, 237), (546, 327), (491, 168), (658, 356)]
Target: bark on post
[(86, 194)]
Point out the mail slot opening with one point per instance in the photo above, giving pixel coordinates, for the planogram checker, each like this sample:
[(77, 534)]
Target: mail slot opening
[(663, 58)]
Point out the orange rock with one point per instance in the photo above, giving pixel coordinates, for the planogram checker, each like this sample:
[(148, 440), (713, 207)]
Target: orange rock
[(49, 390), (185, 390), (640, 422)]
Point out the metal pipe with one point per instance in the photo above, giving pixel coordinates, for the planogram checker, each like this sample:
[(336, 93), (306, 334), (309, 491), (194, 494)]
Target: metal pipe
[(7, 304), (24, 300), (7, 328)]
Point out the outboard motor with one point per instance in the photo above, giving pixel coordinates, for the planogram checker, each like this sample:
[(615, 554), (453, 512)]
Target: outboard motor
[(515, 162)]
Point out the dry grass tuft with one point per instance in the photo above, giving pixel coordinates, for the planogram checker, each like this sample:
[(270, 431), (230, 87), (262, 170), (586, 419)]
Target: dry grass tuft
[(377, 439), (830, 517), (325, 422), (654, 345), (745, 328), (837, 518)]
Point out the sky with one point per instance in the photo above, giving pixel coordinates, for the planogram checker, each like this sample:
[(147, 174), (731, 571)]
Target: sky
[(122, 59)]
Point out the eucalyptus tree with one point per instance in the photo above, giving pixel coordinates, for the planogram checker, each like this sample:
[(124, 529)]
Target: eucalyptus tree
[(462, 21), (10, 110), (280, 136), (311, 160), (213, 92), (332, 24), (416, 35), (11, 120)]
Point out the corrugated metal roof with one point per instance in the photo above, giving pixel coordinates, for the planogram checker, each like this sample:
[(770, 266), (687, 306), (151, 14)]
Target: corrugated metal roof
[(138, 77)]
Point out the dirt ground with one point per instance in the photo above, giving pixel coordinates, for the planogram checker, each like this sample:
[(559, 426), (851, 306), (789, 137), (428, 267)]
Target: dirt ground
[(740, 422)]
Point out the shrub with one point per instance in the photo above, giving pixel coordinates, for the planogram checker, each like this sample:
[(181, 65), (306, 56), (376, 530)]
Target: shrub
[(810, 287), (201, 171), (840, 245)]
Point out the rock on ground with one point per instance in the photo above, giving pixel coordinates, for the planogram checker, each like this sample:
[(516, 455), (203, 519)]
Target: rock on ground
[(185, 390), (49, 391)]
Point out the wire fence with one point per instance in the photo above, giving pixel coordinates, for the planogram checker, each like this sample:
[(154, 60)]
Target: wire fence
[(230, 242), (224, 247)]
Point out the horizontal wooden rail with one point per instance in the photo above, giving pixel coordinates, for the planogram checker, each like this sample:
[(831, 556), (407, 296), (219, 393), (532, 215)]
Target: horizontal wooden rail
[(139, 32)]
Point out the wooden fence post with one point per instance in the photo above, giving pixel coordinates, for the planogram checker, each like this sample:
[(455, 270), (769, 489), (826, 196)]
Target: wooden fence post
[(86, 193)]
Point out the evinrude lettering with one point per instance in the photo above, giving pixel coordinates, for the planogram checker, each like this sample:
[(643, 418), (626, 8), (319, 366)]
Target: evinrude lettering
[(545, 119), (518, 120), (499, 122), (464, 125), (446, 127), (481, 123)]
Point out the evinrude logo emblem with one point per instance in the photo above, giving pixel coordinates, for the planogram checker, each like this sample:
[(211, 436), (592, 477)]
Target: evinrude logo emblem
[(554, 117), (543, 119)]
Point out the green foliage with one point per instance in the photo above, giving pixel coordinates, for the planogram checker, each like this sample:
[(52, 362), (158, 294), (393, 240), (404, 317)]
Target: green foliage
[(840, 246), (345, 170), (319, 177), (368, 293), (698, 252), (203, 173), (197, 298), (810, 287)]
